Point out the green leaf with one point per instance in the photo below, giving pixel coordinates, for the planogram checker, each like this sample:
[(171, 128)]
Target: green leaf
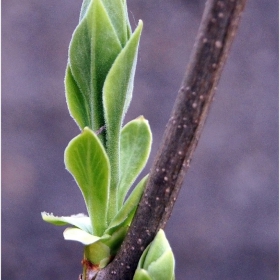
[(93, 49), (76, 100), (80, 221), (136, 141), (87, 161), (117, 93), (126, 214), (76, 234)]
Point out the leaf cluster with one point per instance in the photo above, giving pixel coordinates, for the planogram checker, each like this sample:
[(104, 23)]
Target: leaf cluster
[(106, 157)]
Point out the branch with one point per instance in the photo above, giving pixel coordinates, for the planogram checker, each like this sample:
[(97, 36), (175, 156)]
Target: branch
[(217, 30)]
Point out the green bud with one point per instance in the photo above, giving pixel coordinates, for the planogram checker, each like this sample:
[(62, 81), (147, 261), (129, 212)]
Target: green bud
[(157, 261)]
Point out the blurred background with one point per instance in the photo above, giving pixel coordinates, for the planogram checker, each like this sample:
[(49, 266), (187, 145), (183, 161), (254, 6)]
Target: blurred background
[(225, 222)]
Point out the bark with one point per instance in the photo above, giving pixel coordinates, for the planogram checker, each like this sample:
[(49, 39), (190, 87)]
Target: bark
[(216, 33)]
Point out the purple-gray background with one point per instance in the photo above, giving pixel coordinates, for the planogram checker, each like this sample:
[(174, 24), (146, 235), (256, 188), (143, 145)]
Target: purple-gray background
[(225, 222)]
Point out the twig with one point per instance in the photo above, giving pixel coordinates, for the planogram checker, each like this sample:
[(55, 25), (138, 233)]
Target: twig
[(216, 33)]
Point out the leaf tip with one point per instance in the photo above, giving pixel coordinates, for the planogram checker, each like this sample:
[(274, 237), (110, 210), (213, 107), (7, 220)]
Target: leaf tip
[(44, 215), (142, 118)]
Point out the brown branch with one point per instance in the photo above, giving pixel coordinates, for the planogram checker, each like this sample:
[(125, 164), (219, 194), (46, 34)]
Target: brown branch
[(216, 33)]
